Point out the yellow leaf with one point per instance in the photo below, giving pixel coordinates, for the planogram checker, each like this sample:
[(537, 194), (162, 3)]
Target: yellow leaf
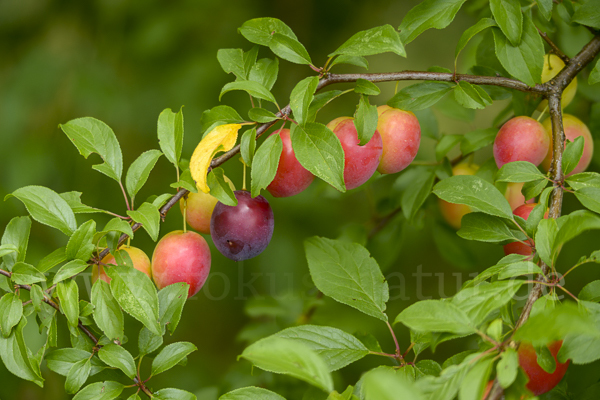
[(222, 138)]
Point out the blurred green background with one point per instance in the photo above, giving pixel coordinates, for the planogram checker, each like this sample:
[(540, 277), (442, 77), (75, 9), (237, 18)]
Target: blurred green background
[(123, 62)]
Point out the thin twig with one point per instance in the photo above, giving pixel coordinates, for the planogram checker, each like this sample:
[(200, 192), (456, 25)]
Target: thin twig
[(555, 49)]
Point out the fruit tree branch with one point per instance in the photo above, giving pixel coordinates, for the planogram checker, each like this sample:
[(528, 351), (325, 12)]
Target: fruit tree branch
[(555, 49)]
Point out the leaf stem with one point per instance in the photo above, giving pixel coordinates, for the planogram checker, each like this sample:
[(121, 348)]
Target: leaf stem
[(398, 352), (124, 195)]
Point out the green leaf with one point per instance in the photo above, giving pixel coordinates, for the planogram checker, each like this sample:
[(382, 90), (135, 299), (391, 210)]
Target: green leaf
[(136, 294), (62, 360), (8, 249), (248, 146), (417, 192), (480, 301), (336, 347), (475, 192), (302, 96), (471, 96), (90, 135), (594, 75), (545, 359), (284, 356), (139, 171), (365, 120), (589, 197), (26, 274), (590, 292), (289, 49), (250, 393), (358, 61), (261, 30), (250, 59), (80, 245), (232, 61), (216, 116), (545, 8), (525, 61), (171, 300), (485, 228), (68, 294), (107, 312), (584, 179), (149, 216), (428, 14), (518, 171), (265, 72), (576, 223), (509, 17), (378, 40), (52, 260), (11, 311), (474, 383), (436, 316), (173, 394), (37, 297), (219, 188), (320, 151), (118, 225), (518, 269), (16, 234), (73, 199), (47, 207), (100, 391), (477, 139), (77, 376), (148, 342), (266, 161), (15, 356), (367, 88), (545, 240), (347, 273), (185, 181), (69, 270), (117, 357), (254, 89), (134, 396), (534, 188), (170, 135), (446, 143), (467, 35), (420, 95), (572, 154), (555, 324), (171, 355), (507, 367), (261, 115), (387, 384), (588, 14), (320, 101)]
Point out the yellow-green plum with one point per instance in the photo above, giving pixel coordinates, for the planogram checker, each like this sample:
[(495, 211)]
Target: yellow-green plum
[(140, 260), (521, 139), (291, 177), (514, 195), (574, 128), (181, 257), (552, 66), (401, 135), (360, 162), (451, 212), (199, 209)]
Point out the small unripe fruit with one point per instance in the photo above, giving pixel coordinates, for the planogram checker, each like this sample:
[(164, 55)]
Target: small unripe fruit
[(291, 177), (522, 211), (360, 162), (574, 128), (451, 212), (243, 231), (140, 261), (552, 66), (400, 135), (181, 257), (541, 381), (199, 209), (521, 139), (514, 196)]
